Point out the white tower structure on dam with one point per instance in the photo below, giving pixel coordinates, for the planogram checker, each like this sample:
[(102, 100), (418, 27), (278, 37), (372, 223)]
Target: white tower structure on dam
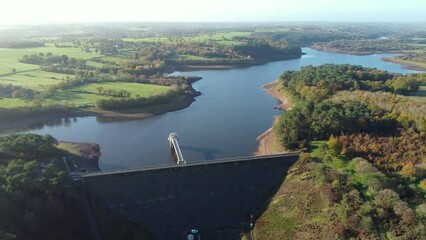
[(174, 146)]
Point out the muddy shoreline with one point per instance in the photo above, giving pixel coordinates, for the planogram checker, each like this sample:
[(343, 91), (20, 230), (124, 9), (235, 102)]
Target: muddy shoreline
[(406, 65), (336, 50), (268, 142), (85, 155)]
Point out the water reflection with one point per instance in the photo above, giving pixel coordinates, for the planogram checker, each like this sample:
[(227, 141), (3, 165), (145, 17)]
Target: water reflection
[(59, 122), (208, 153)]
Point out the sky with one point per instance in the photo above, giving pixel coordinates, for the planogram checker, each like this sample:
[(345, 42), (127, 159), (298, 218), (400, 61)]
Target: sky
[(76, 11)]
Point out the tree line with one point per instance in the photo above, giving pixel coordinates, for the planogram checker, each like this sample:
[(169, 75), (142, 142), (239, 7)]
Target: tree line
[(37, 200)]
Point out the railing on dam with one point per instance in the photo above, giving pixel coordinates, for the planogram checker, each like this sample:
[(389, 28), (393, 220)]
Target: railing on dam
[(209, 162)]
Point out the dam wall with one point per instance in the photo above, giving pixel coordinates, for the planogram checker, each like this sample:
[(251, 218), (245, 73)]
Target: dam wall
[(215, 197)]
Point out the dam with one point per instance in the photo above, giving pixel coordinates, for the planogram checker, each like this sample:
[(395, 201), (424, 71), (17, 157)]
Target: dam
[(220, 198)]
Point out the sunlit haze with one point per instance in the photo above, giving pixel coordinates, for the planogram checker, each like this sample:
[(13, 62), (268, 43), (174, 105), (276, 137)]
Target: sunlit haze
[(54, 11)]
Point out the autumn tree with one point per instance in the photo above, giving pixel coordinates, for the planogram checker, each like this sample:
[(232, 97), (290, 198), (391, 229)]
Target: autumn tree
[(335, 146)]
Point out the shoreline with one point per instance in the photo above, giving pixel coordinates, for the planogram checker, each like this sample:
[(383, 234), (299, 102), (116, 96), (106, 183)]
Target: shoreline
[(409, 65), (268, 142), (335, 50), (102, 115), (84, 154), (259, 61), (41, 119)]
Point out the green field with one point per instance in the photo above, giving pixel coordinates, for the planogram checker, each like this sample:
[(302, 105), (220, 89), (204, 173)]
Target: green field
[(116, 58), (222, 38), (230, 42), (218, 36), (198, 58), (36, 80), (419, 94), (144, 90), (30, 76), (13, 103), (94, 64), (87, 95), (278, 29), (314, 148), (9, 58), (417, 44), (148, 40)]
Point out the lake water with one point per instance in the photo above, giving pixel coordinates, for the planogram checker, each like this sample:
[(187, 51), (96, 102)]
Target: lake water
[(222, 123)]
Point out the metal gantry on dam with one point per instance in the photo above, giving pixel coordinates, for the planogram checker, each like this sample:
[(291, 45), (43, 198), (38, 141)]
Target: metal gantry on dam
[(175, 149)]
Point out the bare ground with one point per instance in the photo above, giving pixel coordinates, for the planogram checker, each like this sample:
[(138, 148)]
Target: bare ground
[(268, 142)]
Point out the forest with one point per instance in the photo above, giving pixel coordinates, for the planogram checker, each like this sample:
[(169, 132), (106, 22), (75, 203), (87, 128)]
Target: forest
[(36, 194), (364, 148), (318, 115)]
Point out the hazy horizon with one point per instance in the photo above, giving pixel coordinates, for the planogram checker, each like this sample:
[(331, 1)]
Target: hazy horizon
[(27, 12)]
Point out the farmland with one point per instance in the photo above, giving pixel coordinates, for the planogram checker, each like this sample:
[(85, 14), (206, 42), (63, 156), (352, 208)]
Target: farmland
[(81, 68), (9, 58), (87, 95), (225, 38), (17, 75)]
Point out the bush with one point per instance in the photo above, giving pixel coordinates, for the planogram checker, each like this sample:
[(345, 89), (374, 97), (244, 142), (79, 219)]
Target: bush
[(422, 184), (409, 170), (335, 146)]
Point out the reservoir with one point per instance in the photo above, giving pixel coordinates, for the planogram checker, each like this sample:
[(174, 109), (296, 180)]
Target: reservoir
[(224, 122)]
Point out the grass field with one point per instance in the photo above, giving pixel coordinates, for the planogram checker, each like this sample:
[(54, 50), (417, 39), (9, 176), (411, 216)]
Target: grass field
[(87, 95), (36, 80), (30, 76), (420, 94), (116, 58), (218, 36), (9, 58), (277, 29), (13, 103), (148, 39), (222, 38), (144, 90), (94, 64), (314, 148), (230, 42), (192, 57), (417, 44), (77, 99)]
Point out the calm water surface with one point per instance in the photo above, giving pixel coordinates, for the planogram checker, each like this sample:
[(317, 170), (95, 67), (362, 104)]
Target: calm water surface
[(222, 123)]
